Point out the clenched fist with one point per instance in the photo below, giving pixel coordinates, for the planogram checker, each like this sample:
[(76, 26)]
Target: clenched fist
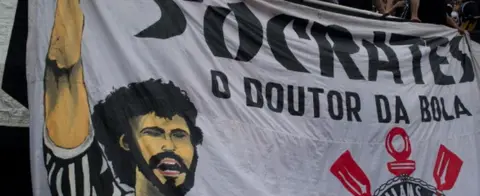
[(65, 41)]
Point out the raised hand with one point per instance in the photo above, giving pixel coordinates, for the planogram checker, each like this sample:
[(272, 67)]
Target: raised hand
[(66, 104)]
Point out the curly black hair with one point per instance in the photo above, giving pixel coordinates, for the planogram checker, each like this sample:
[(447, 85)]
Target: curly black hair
[(111, 119)]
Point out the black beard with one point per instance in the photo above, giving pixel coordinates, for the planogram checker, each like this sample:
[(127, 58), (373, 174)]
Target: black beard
[(181, 189), (154, 163)]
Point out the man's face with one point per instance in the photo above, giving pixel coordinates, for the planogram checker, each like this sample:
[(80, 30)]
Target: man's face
[(165, 145)]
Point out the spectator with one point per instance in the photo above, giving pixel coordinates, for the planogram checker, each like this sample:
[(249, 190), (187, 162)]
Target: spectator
[(449, 9), (359, 4), (383, 5), (415, 5), (469, 9), (399, 8), (396, 9), (469, 14), (434, 12), (454, 15), (301, 1)]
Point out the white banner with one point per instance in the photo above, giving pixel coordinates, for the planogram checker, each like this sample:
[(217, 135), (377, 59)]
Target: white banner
[(261, 98)]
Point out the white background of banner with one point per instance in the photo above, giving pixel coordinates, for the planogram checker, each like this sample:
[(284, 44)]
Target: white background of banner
[(251, 151)]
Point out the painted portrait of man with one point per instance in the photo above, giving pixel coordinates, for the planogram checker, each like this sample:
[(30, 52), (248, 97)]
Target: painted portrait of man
[(140, 140), (156, 121)]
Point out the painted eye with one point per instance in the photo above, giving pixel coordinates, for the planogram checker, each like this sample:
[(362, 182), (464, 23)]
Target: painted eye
[(179, 134), (152, 132)]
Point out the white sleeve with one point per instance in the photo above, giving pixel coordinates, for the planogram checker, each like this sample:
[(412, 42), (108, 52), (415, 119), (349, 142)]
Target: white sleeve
[(69, 170), (64, 153)]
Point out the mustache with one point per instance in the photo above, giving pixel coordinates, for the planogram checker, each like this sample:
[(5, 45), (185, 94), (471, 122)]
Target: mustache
[(155, 160)]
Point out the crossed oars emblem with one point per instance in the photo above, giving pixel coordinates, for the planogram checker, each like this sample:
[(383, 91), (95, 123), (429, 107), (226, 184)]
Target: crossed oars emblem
[(445, 173)]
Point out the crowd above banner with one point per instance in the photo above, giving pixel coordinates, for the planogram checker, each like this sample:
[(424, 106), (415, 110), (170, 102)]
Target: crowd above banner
[(475, 36), (460, 14)]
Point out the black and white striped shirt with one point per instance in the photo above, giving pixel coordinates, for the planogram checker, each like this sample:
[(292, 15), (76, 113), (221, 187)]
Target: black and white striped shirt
[(82, 171)]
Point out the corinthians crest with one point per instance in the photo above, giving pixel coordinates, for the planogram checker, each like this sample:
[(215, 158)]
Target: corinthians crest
[(445, 173)]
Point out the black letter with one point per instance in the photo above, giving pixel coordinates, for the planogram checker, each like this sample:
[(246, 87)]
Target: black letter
[(319, 33), (225, 94), (344, 46), (426, 116), (436, 60), (268, 91), (249, 29), (415, 43), (444, 111), (374, 64), (436, 110), (278, 43), (247, 83), (316, 102), (468, 73), (353, 109), (291, 101), (331, 109), (171, 23), (400, 111), (388, 116), (460, 108)]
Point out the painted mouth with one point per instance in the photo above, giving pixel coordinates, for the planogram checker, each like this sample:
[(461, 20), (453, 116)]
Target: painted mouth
[(169, 167)]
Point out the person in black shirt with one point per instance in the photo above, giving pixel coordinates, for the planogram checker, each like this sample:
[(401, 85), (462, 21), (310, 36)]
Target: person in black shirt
[(469, 14), (435, 12), (359, 4), (469, 10)]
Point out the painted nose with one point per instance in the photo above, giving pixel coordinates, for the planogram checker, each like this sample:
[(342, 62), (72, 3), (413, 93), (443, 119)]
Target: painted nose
[(168, 145)]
